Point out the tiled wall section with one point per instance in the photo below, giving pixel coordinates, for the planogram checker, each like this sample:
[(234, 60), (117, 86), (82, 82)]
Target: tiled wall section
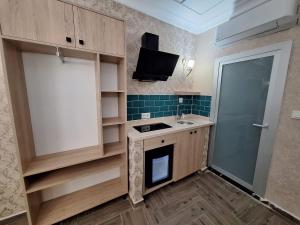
[(166, 105)]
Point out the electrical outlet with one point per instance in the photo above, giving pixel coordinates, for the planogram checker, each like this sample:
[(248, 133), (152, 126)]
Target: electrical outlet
[(146, 115), (180, 100), (295, 114)]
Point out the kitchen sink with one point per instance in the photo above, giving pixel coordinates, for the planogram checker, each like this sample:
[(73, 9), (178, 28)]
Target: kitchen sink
[(185, 122)]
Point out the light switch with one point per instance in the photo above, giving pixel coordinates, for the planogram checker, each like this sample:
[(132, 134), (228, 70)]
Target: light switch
[(295, 114)]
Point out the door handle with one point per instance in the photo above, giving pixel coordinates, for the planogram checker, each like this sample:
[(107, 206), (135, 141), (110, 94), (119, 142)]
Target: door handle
[(261, 125)]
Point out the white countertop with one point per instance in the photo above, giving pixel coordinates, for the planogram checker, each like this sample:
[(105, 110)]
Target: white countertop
[(198, 121)]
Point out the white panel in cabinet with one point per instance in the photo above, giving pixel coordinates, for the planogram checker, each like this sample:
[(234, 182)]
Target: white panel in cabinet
[(111, 134), (110, 106), (109, 76), (62, 102)]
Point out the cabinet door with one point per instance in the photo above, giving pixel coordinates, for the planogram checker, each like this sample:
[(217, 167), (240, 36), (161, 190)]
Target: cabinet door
[(182, 156), (114, 36), (88, 29), (99, 33), (198, 149), (49, 21), (55, 22), (17, 18)]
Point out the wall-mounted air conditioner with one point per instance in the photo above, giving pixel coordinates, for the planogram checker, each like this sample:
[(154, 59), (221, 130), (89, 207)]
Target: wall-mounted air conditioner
[(270, 17)]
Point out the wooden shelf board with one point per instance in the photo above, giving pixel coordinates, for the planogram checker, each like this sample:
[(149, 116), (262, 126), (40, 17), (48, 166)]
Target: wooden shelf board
[(187, 93), (62, 159), (114, 148), (69, 205), (111, 59), (112, 93), (116, 91), (112, 121), (64, 175)]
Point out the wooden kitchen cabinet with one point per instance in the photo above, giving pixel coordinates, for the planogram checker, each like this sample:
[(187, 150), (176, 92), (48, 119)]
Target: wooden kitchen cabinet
[(48, 21), (98, 32), (188, 154)]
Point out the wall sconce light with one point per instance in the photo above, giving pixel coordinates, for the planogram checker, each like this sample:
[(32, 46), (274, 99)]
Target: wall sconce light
[(188, 65)]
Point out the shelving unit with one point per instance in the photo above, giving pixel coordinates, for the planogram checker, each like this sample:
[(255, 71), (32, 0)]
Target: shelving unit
[(54, 161), (113, 105), (113, 96), (60, 176), (114, 148), (112, 121), (69, 205), (47, 166)]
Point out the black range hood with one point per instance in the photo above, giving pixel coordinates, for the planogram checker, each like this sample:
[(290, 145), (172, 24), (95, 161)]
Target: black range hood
[(154, 65)]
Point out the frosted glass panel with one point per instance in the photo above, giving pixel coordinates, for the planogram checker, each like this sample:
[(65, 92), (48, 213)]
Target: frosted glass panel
[(242, 101)]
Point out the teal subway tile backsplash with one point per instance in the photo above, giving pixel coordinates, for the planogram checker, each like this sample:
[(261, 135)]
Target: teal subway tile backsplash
[(166, 105)]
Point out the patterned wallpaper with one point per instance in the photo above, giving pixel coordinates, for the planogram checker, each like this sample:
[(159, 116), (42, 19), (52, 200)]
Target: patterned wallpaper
[(11, 186), (171, 39)]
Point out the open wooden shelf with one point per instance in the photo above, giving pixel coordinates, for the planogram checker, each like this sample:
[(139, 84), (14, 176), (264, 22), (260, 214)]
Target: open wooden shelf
[(69, 205), (114, 148), (112, 121), (60, 176), (187, 93), (111, 91), (62, 159)]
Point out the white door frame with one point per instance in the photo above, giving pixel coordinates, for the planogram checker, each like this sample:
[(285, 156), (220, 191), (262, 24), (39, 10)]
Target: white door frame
[(281, 52)]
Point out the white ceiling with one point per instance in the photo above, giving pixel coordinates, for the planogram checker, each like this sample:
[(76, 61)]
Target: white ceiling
[(196, 16)]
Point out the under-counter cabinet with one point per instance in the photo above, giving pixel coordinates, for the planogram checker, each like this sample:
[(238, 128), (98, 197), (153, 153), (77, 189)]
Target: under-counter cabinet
[(48, 21), (175, 153), (189, 152)]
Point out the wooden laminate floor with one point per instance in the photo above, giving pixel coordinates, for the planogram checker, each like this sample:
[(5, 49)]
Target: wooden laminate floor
[(202, 199)]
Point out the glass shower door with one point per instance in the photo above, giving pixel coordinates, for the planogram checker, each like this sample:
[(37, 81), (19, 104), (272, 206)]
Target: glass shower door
[(243, 91)]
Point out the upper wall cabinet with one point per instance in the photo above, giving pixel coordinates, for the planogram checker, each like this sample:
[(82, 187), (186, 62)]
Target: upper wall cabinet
[(99, 33), (47, 21)]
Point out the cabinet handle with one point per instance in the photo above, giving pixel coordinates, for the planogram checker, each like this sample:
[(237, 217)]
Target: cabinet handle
[(81, 42), (68, 39), (191, 132), (195, 132), (162, 141)]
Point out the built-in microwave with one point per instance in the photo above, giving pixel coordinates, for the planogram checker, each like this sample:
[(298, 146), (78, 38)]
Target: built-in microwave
[(158, 165)]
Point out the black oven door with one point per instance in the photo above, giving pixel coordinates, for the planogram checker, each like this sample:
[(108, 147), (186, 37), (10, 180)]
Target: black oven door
[(158, 165)]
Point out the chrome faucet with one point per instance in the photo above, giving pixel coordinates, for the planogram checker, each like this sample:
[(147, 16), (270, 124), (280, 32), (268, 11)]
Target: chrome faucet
[(179, 115)]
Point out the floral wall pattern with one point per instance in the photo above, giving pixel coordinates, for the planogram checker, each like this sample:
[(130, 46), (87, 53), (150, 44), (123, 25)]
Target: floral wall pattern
[(12, 199)]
